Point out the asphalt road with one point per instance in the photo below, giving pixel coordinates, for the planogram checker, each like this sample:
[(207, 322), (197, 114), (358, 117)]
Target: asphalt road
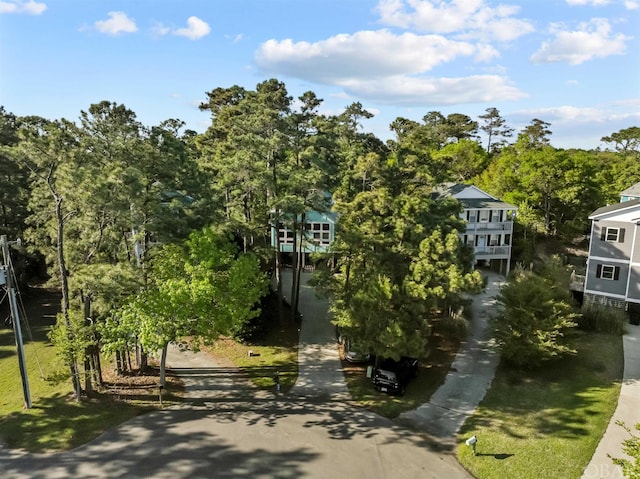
[(227, 429)]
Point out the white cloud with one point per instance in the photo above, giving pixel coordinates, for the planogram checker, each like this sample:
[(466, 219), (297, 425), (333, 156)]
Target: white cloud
[(118, 23), (592, 39), (581, 127), (631, 5), (159, 29), (568, 114), (595, 3), (414, 91), (196, 28), (365, 54), (598, 114), (470, 19), (235, 38), (31, 7), (388, 68)]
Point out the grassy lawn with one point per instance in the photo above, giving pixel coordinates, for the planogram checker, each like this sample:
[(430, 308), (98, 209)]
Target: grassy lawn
[(546, 423), (56, 421), (430, 376), (276, 352)]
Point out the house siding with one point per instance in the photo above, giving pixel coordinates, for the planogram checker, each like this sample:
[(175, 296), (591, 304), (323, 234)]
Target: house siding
[(612, 249), (616, 287), (489, 223), (634, 284), (634, 238)]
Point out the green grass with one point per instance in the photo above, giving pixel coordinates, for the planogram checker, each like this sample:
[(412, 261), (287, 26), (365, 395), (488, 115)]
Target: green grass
[(55, 421), (431, 375), (276, 352), (546, 423)]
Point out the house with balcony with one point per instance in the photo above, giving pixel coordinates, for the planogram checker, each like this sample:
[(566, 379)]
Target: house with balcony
[(489, 224), (316, 236), (613, 266), (489, 227)]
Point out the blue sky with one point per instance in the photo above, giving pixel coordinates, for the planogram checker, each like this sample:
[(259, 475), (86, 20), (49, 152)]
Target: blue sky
[(572, 63)]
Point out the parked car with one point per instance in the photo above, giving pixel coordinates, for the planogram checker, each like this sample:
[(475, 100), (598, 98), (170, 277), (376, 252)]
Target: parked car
[(393, 376), (354, 352)]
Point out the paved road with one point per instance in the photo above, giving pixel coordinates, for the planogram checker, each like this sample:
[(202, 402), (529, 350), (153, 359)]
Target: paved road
[(227, 429)]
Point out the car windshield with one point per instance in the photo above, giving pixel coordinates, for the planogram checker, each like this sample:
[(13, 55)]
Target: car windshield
[(388, 375)]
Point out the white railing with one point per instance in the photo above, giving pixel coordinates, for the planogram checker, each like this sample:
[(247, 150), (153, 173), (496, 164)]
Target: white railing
[(503, 226), (577, 281), (492, 250)]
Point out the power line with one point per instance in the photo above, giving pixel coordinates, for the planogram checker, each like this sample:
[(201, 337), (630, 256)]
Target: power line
[(7, 278)]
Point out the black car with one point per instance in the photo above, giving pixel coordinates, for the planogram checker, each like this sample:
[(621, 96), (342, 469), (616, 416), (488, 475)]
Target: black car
[(393, 376)]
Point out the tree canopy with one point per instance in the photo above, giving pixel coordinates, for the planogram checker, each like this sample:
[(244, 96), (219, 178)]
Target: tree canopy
[(113, 205)]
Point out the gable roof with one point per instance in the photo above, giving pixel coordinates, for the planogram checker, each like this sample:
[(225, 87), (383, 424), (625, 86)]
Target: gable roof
[(616, 209), (633, 190), (471, 196)]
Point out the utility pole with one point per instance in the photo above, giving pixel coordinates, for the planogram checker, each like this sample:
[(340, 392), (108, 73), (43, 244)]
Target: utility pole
[(15, 318)]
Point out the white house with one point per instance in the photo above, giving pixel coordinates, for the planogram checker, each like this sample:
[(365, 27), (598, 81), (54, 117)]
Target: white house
[(489, 223)]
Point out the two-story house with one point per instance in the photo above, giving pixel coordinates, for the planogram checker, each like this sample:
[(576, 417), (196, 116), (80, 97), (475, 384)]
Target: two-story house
[(613, 266), (489, 221), (489, 227), (317, 235)]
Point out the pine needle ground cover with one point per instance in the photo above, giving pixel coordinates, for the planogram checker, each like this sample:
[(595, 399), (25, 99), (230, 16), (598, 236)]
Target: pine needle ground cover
[(546, 423)]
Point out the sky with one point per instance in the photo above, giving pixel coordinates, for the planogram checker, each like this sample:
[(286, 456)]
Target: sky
[(572, 63)]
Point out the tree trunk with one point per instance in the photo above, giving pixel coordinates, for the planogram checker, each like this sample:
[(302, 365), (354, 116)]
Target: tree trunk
[(88, 350), (163, 366), (294, 270), (97, 366), (73, 366), (118, 364), (298, 275), (144, 360), (278, 269)]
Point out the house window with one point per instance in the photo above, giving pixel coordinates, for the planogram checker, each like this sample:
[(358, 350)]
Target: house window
[(496, 216), (484, 216), (285, 235), (607, 271), (612, 235), (471, 216), (321, 233)]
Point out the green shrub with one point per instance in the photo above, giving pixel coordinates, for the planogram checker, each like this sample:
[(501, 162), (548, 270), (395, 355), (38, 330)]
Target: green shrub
[(453, 326), (534, 314), (596, 317)]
